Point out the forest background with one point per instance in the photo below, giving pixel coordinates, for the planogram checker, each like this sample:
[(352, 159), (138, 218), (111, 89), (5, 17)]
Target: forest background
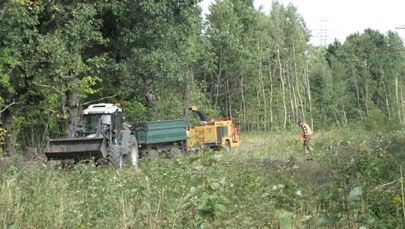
[(157, 58)]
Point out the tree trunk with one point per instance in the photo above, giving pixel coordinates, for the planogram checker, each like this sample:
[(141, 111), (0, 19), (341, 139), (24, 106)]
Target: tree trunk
[(262, 87), (295, 86), (300, 101), (218, 82), (257, 113), (228, 99), (7, 123), (189, 93), (243, 101), (283, 88), (291, 91), (387, 103), (150, 97), (308, 89), (366, 96), (271, 96), (402, 104), (357, 89), (73, 99), (398, 100)]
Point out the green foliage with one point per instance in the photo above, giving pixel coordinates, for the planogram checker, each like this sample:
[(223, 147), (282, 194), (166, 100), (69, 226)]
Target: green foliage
[(158, 58), (364, 67), (86, 86), (350, 180), (134, 111), (366, 184), (205, 200)]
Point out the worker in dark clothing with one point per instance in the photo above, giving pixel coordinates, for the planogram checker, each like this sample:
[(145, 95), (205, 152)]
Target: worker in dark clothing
[(306, 134)]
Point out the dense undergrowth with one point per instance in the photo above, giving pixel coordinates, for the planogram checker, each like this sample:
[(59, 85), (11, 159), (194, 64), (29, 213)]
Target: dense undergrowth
[(352, 179)]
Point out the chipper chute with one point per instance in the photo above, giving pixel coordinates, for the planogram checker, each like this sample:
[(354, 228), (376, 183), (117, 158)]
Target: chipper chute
[(76, 148)]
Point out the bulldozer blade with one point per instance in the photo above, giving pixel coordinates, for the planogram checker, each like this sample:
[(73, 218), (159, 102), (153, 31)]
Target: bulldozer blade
[(76, 149)]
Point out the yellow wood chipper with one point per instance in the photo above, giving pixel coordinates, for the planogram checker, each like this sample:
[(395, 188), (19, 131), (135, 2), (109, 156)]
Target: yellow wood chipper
[(217, 133)]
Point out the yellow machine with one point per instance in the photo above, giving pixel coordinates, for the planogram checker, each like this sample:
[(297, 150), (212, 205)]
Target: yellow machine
[(217, 133)]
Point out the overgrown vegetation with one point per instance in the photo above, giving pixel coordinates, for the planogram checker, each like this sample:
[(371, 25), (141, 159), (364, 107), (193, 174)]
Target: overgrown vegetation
[(157, 58), (352, 179)]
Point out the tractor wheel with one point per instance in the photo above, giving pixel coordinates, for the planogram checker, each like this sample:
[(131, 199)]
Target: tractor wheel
[(227, 146), (175, 152), (114, 156), (133, 154), (153, 154)]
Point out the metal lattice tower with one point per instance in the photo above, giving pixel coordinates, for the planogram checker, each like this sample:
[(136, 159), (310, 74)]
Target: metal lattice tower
[(320, 35), (400, 27), (323, 32)]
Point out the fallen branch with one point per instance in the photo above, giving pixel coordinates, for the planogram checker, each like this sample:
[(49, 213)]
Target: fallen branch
[(9, 105), (47, 86), (98, 100), (389, 183)]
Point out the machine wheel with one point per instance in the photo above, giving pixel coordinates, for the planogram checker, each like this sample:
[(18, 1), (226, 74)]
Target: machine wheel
[(153, 154), (115, 156), (133, 154), (175, 152), (227, 146)]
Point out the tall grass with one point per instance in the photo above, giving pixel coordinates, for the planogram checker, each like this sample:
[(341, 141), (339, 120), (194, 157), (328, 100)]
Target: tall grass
[(351, 179)]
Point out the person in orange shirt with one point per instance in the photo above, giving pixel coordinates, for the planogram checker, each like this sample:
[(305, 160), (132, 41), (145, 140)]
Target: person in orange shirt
[(306, 134)]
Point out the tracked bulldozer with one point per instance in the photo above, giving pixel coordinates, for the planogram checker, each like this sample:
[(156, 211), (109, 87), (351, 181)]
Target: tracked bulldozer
[(99, 136)]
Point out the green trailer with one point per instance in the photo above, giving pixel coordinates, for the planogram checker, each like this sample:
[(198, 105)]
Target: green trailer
[(155, 137)]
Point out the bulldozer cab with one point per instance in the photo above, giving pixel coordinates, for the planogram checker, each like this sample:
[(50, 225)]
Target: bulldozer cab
[(100, 118), (94, 124), (99, 127), (91, 122)]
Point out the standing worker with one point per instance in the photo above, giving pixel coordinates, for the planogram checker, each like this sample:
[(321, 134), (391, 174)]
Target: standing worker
[(306, 134)]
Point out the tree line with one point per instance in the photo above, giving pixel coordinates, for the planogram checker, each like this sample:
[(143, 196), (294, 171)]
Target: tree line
[(157, 58)]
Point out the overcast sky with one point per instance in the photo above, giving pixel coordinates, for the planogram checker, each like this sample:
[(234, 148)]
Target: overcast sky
[(330, 19)]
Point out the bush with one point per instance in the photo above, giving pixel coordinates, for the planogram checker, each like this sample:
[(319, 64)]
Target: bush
[(365, 184)]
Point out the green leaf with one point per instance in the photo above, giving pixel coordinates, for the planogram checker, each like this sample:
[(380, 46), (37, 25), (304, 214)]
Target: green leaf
[(328, 219), (369, 221), (215, 185), (355, 194), (286, 218)]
